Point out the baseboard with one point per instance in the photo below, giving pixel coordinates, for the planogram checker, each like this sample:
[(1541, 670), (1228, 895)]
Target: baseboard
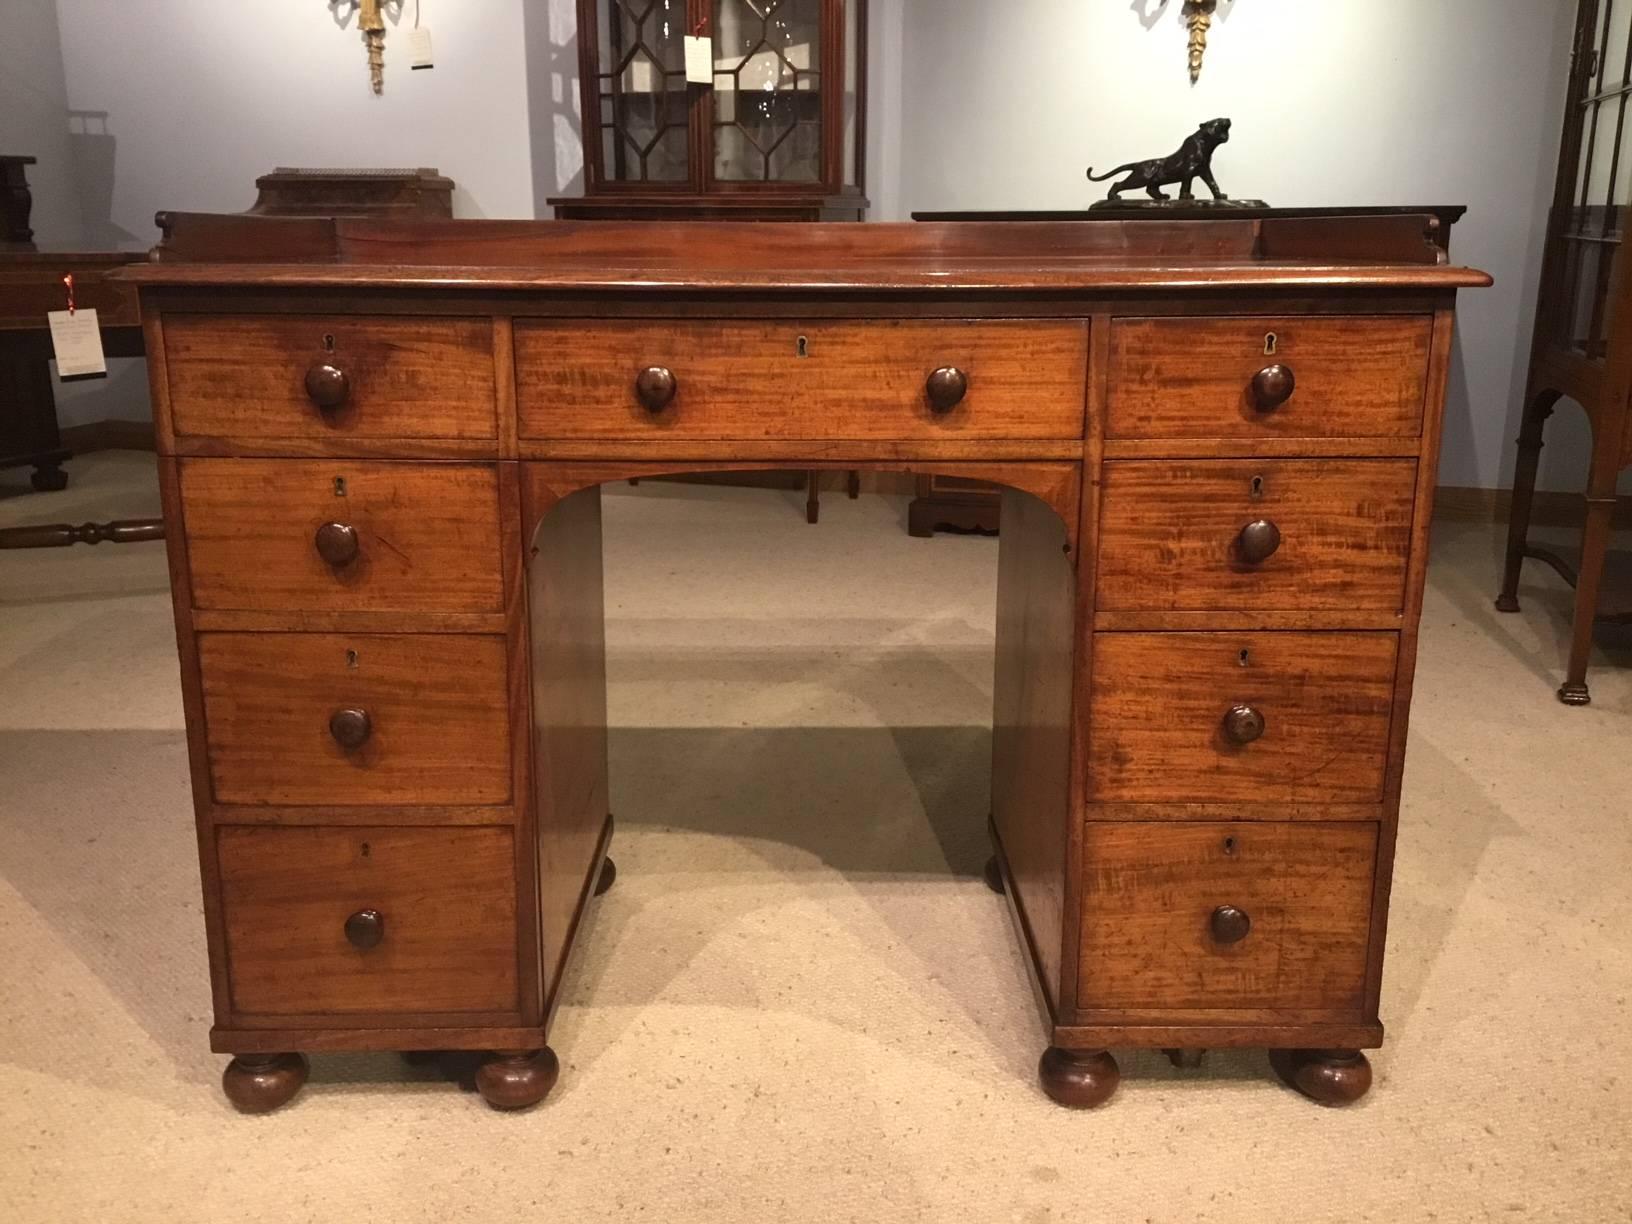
[(1459, 503), (108, 435)]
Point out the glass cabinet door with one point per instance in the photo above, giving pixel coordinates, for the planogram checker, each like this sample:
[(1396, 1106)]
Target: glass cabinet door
[(767, 91), (641, 91)]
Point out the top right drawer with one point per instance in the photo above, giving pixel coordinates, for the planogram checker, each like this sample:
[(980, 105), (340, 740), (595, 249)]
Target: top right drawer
[(1263, 376)]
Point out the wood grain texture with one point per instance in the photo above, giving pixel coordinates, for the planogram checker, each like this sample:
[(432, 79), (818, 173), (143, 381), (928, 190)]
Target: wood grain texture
[(567, 631), (1150, 891), (1169, 534), (446, 900), (575, 378), (1158, 702), (1190, 378), (441, 732), (243, 376), (1031, 720), (427, 535)]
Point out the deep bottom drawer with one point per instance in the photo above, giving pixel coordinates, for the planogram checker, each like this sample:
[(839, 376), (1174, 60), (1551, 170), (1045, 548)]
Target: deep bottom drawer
[(358, 920), (1221, 915)]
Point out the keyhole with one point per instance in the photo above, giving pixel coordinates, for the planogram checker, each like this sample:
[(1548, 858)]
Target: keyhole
[(367, 849), (804, 346), (1257, 487), (1270, 340), (351, 658), (339, 486), (1229, 845), (1245, 657), (328, 342)]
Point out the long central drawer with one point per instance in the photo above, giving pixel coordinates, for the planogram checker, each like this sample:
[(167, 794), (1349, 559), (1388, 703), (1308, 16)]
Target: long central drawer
[(880, 378)]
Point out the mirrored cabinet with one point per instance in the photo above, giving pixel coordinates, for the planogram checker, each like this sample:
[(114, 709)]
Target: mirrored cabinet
[(769, 126)]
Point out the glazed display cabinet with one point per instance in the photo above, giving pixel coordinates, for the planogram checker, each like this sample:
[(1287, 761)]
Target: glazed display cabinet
[(776, 132)]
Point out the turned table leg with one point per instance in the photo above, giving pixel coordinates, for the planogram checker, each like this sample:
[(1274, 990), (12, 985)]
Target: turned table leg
[(1331, 1077), (259, 1083), (1080, 1079), (515, 1079)]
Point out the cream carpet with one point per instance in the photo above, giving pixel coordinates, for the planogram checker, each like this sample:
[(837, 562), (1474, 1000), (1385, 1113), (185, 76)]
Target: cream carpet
[(800, 1002)]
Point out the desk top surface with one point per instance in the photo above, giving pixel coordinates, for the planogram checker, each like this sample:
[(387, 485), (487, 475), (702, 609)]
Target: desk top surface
[(1325, 252)]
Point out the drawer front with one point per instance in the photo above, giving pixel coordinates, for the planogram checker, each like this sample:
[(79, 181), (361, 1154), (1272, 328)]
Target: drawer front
[(747, 380), (1199, 378), (1266, 534), (1174, 717), (341, 535), (427, 722), (360, 919), (279, 376), (1223, 915)]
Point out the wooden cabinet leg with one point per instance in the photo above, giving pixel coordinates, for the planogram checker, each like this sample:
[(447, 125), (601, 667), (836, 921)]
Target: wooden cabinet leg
[(1331, 1077), (48, 476), (515, 1079), (609, 873), (1594, 552), (1188, 1059), (1536, 413), (813, 504), (259, 1083), (1080, 1079)]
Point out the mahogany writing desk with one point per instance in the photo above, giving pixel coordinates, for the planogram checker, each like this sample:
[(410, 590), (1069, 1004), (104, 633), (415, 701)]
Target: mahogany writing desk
[(381, 451)]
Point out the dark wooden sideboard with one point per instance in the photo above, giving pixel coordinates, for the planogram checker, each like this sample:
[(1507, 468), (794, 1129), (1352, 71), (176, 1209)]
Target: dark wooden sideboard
[(382, 448)]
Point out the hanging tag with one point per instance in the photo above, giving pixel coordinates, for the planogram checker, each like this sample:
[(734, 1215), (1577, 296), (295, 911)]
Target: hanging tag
[(419, 47), (699, 60), (76, 342)]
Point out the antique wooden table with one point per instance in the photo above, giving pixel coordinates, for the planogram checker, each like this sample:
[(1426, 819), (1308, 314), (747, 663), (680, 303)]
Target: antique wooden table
[(382, 447)]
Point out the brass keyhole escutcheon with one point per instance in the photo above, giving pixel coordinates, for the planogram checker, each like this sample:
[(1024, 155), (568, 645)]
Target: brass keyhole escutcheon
[(1255, 489), (1245, 657), (1270, 341), (1229, 845), (328, 342), (339, 486), (351, 659), (804, 346)]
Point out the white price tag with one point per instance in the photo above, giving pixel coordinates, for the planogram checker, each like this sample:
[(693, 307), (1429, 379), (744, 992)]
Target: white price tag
[(419, 47), (699, 61), (76, 342)]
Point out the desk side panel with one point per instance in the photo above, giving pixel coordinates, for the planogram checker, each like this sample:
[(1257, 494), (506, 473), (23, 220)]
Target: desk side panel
[(1031, 722)]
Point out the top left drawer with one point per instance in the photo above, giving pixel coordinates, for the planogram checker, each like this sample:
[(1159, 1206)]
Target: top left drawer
[(330, 378)]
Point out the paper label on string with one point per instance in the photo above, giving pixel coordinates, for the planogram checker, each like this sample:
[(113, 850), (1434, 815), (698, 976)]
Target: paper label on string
[(419, 47), (76, 343), (699, 60)]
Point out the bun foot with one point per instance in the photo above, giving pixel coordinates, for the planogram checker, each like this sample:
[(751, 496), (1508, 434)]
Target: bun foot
[(1507, 603), (259, 1083), (515, 1079), (1186, 1059), (48, 478), (993, 875), (1574, 694), (1330, 1077), (1080, 1079), (609, 873)]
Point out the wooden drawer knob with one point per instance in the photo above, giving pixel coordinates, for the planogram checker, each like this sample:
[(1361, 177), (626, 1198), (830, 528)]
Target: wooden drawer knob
[(1258, 541), (327, 385), (337, 543), (1272, 386), (946, 388), (655, 387), (365, 929), (1243, 724), (1229, 925), (350, 727)]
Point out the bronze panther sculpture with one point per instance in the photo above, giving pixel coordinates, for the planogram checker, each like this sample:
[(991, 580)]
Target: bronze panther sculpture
[(1193, 160)]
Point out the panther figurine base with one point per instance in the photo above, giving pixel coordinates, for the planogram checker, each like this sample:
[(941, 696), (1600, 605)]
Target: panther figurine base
[(1171, 205), (1192, 160)]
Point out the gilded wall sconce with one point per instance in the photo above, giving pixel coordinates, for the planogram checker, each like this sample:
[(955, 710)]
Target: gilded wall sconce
[(1198, 15)]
